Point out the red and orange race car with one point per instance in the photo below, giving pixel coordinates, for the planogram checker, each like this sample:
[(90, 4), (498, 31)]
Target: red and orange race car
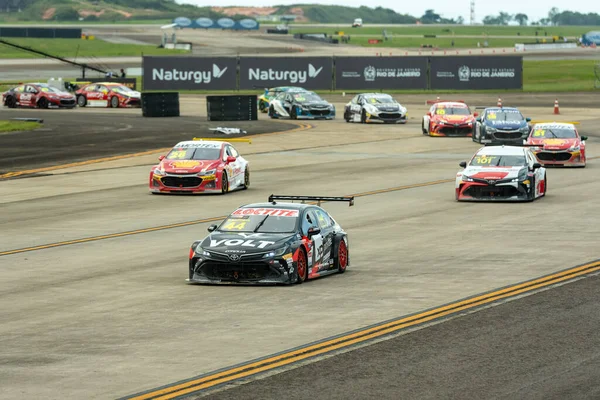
[(448, 118), (560, 144), (197, 166), (108, 94), (38, 95)]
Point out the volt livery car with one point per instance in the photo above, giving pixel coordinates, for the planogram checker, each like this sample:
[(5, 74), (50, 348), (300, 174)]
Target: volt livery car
[(272, 242), (108, 94), (506, 173), (301, 105), (198, 166), (369, 107), (449, 118), (38, 95), (265, 99), (559, 144), (501, 125)]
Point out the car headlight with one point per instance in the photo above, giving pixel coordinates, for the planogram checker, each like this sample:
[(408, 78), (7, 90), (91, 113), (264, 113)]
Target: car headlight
[(489, 129), (575, 148), (159, 172), (522, 176), (525, 129), (442, 121), (466, 178), (201, 252), (276, 253), (209, 172)]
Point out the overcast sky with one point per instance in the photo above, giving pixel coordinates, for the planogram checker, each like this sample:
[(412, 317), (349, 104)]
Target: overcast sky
[(535, 9)]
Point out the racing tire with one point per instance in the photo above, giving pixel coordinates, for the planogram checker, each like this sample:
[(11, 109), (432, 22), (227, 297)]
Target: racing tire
[(293, 113), (545, 186), (347, 117), (10, 102), (262, 106), (246, 183), (272, 113), (301, 267), (81, 101), (341, 260), (224, 183), (43, 103), (363, 117), (114, 102), (423, 130)]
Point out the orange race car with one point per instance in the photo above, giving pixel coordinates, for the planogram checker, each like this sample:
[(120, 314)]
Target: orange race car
[(448, 118), (108, 94)]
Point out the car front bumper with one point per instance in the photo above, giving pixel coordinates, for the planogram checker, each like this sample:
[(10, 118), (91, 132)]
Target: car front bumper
[(184, 184)]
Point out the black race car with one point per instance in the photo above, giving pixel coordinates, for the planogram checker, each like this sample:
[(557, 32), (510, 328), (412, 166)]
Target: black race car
[(300, 105), (501, 125), (272, 242)]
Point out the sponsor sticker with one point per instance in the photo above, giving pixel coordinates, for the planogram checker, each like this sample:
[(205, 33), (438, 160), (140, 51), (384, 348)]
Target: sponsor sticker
[(275, 212)]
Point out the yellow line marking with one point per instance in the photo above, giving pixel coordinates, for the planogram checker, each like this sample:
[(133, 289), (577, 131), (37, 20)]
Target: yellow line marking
[(300, 127), (364, 335), (200, 221)]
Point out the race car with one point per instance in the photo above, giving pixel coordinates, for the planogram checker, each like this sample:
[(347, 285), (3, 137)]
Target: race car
[(108, 94), (269, 243), (197, 166), (449, 118), (367, 107), (300, 105), (505, 173), (38, 95), (560, 144), (265, 99), (501, 125)]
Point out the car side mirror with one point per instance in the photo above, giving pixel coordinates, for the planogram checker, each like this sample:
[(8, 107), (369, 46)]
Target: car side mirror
[(528, 119), (160, 158), (463, 164), (230, 159), (475, 114), (312, 231), (478, 119), (584, 138), (537, 165), (212, 228)]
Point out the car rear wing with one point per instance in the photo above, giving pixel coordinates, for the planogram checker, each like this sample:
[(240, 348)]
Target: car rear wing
[(484, 107), (197, 139), (554, 122), (430, 102), (318, 199), (514, 144)]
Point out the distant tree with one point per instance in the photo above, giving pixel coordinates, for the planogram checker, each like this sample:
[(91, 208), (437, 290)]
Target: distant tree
[(460, 20), (521, 19), (431, 17), (553, 15), (66, 14), (501, 19)]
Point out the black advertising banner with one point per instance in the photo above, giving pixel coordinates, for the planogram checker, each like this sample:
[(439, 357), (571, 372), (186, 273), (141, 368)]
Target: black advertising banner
[(307, 72), (365, 73), (477, 72), (189, 73)]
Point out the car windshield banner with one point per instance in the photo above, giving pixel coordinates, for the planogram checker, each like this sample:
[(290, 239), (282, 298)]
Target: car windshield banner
[(477, 73), (365, 73), (189, 73), (266, 72)]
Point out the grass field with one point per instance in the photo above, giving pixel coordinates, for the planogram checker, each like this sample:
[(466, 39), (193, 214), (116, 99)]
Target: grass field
[(440, 43), (71, 48), (13, 126), (538, 76)]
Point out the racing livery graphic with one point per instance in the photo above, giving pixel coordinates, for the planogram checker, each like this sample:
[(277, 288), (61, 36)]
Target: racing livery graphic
[(198, 166), (559, 144), (37, 95), (501, 125), (367, 107), (449, 118), (268, 243), (300, 105), (265, 99), (506, 173), (108, 94)]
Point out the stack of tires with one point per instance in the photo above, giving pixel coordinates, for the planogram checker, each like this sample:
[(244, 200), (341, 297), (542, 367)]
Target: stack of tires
[(232, 108), (161, 104)]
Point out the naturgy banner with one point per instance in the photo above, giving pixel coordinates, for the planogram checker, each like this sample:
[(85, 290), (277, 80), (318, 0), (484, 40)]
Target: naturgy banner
[(307, 72), (189, 73)]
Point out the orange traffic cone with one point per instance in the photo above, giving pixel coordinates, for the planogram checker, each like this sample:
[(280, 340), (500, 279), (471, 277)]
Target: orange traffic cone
[(499, 102), (556, 111)]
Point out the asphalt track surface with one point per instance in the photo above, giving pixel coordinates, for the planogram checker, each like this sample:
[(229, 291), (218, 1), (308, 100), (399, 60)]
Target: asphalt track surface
[(78, 135), (542, 346), (93, 267)]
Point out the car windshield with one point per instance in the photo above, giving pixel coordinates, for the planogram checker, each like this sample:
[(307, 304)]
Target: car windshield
[(553, 132), (306, 96), (121, 89), (49, 89), (498, 115), (194, 153), (453, 111), (265, 220), (492, 160), (379, 99)]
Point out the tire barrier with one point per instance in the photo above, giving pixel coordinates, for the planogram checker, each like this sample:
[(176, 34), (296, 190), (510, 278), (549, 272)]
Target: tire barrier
[(160, 104), (232, 108)]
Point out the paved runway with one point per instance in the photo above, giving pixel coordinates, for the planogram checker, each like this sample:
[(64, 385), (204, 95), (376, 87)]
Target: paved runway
[(110, 314)]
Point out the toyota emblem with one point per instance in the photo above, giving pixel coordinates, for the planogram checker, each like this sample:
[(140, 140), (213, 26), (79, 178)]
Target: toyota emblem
[(492, 182), (234, 257)]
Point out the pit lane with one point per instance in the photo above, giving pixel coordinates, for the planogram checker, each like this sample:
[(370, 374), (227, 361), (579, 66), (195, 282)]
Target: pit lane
[(121, 304)]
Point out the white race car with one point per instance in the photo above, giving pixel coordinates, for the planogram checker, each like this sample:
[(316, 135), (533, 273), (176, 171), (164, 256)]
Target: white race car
[(505, 173), (367, 107)]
